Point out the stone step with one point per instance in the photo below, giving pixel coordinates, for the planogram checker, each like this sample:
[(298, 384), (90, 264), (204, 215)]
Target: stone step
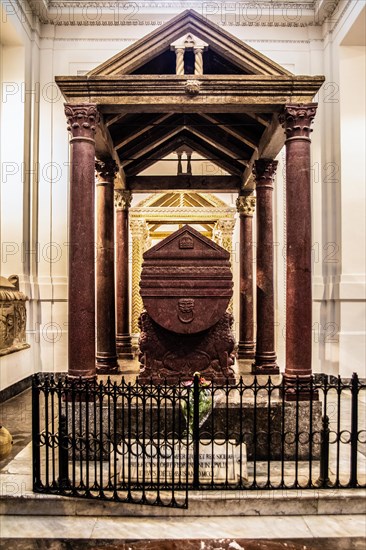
[(220, 503), (349, 530)]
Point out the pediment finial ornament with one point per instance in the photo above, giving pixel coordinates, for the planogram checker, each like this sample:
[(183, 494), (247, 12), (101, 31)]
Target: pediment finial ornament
[(192, 87)]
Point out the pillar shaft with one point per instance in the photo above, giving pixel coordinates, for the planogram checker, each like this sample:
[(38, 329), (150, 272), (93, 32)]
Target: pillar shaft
[(106, 331), (198, 60), (246, 349), (123, 201), (297, 120), (140, 243), (265, 356), (82, 120), (179, 66)]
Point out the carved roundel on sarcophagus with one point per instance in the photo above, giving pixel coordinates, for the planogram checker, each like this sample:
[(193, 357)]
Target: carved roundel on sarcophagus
[(186, 285), (186, 282)]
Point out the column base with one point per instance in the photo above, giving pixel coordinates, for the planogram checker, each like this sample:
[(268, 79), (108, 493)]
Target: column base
[(80, 383), (107, 364), (300, 389), (265, 363), (124, 346), (246, 350)]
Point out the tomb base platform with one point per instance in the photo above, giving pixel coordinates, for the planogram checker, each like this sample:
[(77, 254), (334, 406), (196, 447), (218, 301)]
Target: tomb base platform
[(171, 357)]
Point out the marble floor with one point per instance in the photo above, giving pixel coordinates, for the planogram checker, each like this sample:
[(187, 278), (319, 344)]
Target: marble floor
[(356, 543), (299, 531)]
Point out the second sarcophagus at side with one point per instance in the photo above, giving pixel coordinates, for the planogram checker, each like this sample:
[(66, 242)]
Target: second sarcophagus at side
[(186, 285)]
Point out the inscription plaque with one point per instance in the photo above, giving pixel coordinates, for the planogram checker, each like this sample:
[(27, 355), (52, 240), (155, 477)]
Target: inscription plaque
[(218, 461)]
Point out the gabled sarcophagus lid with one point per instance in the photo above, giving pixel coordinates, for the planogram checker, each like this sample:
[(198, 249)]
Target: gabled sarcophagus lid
[(186, 282)]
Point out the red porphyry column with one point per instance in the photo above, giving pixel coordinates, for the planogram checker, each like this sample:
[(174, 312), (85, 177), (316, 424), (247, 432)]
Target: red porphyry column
[(265, 356), (246, 205), (123, 202), (296, 120), (107, 362), (82, 120)]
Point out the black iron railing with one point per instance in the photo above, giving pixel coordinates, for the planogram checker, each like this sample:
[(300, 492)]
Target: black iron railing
[(151, 444)]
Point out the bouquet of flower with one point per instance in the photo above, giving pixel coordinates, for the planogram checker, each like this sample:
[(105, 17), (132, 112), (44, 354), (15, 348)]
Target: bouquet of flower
[(204, 402)]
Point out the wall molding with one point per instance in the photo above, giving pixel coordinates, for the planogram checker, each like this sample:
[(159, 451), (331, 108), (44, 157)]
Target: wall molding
[(15, 389)]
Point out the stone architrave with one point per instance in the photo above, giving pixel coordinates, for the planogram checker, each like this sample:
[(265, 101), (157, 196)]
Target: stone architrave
[(265, 355), (82, 120), (246, 207), (122, 203), (296, 120), (107, 363)]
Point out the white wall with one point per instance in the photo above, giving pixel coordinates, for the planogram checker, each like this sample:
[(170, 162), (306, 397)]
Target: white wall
[(19, 65), (352, 291), (35, 210)]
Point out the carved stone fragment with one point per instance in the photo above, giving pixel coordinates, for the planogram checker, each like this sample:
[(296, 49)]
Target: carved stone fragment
[(13, 316)]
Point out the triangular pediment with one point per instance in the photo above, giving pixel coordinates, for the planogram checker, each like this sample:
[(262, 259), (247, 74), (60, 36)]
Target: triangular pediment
[(226, 51), (187, 240)]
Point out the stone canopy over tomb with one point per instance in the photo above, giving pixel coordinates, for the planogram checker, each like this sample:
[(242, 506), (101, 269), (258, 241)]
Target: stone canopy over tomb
[(190, 85)]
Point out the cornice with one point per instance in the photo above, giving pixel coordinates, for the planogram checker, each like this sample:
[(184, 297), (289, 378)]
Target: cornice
[(261, 13), (132, 40), (174, 3), (156, 213), (235, 90)]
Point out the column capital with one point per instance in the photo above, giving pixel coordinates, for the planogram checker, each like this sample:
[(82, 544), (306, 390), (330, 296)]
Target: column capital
[(122, 199), (264, 172), (139, 228), (226, 226), (296, 119), (82, 120), (245, 205), (106, 170)]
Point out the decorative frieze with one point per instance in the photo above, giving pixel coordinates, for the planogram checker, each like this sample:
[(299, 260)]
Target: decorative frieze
[(140, 234), (224, 229)]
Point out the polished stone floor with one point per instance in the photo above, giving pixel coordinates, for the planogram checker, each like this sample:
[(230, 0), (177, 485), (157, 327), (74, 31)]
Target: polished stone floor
[(192, 544), (260, 530)]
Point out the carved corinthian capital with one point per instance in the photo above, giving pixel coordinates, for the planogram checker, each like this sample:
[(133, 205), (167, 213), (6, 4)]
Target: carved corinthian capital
[(297, 119), (106, 170), (264, 171), (245, 205), (122, 199), (82, 119), (226, 226), (139, 228)]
